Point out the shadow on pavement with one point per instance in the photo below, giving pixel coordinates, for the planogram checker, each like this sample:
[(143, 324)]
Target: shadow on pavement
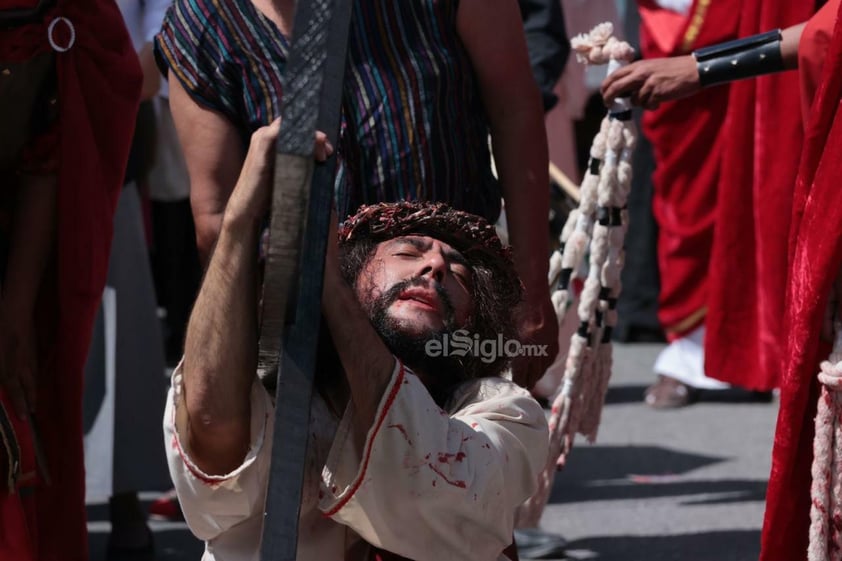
[(734, 545), (619, 395), (713, 492), (633, 393), (595, 462), (170, 545), (173, 540), (596, 473)]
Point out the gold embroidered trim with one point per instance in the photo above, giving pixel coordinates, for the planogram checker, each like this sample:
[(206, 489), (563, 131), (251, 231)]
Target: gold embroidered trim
[(689, 321), (695, 27)]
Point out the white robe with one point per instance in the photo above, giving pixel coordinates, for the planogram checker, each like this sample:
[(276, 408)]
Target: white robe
[(432, 485)]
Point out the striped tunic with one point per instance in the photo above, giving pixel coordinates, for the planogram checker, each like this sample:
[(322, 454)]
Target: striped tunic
[(413, 126)]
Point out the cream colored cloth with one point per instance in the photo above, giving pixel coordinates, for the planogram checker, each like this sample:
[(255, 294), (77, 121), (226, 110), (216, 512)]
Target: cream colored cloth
[(684, 360), (432, 485)]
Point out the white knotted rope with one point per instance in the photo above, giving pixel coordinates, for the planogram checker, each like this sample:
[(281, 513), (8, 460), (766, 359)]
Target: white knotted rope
[(826, 490), (596, 229)]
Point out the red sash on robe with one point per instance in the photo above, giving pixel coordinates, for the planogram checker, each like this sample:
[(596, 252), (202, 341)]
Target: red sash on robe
[(815, 255), (747, 277), (99, 82), (686, 136)]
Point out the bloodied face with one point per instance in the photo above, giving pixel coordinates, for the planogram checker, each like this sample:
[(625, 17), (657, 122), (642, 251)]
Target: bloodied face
[(416, 289), (418, 284), (424, 273)]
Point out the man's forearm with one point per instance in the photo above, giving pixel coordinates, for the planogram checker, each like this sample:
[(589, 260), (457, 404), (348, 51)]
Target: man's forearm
[(791, 36), (220, 356), (520, 150)]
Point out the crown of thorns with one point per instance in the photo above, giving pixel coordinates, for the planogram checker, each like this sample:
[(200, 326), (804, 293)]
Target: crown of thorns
[(469, 234)]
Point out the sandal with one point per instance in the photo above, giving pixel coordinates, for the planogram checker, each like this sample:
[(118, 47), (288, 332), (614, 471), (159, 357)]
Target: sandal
[(669, 393)]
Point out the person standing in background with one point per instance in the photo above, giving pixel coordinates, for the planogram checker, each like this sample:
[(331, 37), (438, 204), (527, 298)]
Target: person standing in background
[(69, 85), (442, 67), (175, 258), (688, 148), (128, 458), (742, 291), (812, 311), (549, 49)]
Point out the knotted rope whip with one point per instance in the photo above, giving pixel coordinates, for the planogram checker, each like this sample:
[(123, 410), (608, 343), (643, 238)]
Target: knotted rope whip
[(826, 489), (597, 228)]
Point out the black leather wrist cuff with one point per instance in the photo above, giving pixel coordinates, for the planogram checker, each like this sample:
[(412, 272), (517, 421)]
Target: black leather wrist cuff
[(739, 59)]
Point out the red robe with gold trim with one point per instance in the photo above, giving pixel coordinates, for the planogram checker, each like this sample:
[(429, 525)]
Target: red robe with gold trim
[(762, 137), (99, 82), (815, 257), (686, 136)]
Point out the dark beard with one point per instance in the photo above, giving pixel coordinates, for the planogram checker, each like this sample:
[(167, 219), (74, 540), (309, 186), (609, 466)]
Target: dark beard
[(441, 374)]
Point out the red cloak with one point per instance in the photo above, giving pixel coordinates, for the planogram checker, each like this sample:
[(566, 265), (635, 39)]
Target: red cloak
[(99, 82), (686, 137), (762, 137), (815, 256)]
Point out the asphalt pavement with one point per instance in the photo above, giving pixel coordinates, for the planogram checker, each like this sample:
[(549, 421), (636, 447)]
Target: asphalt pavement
[(680, 485)]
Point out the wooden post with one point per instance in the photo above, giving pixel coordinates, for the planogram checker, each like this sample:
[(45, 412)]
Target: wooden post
[(294, 272)]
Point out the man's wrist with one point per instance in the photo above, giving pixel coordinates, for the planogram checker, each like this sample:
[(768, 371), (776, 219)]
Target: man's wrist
[(742, 58)]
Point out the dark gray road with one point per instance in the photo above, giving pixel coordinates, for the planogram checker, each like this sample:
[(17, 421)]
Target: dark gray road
[(681, 485)]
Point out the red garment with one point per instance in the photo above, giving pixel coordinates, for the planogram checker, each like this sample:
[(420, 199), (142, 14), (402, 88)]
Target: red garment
[(99, 82), (812, 52), (748, 264), (19, 535), (815, 256), (686, 137)]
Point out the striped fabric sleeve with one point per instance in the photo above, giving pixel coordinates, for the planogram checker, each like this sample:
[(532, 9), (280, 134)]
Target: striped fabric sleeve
[(193, 43)]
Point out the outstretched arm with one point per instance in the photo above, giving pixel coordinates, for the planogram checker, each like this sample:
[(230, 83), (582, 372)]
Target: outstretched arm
[(220, 357), (653, 81)]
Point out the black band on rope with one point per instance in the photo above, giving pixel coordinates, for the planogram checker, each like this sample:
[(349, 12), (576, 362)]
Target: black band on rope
[(584, 332), (604, 293), (612, 303), (606, 334), (593, 166), (564, 279), (622, 115), (609, 216)]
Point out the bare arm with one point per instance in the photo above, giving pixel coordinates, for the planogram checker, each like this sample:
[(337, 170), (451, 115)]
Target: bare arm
[(220, 358), (214, 154), (653, 81), (789, 45), (493, 35)]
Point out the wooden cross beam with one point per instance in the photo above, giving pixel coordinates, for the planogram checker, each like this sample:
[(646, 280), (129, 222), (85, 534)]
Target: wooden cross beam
[(293, 280)]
